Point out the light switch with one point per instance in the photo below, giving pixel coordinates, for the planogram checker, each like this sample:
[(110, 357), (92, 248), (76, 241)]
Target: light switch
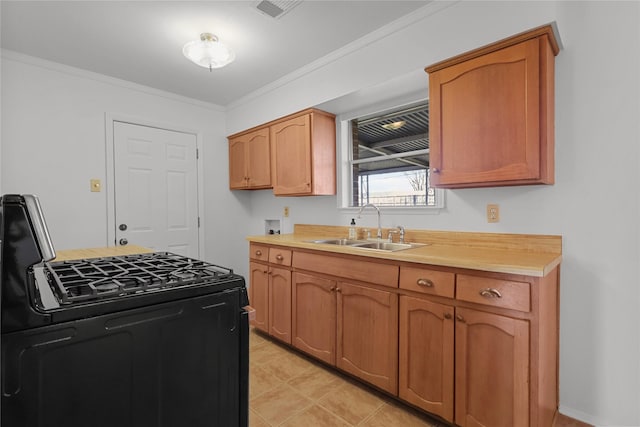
[(96, 186)]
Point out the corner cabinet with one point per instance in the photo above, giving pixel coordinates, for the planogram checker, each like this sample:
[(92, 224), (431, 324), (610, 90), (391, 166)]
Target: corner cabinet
[(303, 154), (249, 164), (492, 114), (295, 155), (270, 290)]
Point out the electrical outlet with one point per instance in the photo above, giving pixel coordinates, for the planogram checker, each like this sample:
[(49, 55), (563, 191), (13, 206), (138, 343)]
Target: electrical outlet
[(285, 213), (493, 213)]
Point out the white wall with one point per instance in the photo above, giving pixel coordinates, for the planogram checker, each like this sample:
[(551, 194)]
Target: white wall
[(53, 143), (594, 204)]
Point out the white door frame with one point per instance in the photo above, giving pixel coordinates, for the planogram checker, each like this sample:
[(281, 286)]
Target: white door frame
[(110, 118)]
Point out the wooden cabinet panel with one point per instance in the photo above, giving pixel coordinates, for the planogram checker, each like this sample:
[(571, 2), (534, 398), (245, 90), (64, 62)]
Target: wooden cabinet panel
[(249, 160), (259, 252), (280, 304), (426, 355), (303, 154), (314, 316), (427, 281), (348, 268), (280, 256), (259, 284), (291, 156), (492, 370), (367, 321), (494, 292), (491, 114)]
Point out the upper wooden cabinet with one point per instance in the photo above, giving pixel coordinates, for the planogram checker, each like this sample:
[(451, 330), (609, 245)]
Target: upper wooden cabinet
[(492, 114), (296, 155), (249, 160), (303, 154)]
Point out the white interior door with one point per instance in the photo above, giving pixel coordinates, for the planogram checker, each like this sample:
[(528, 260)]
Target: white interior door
[(156, 190)]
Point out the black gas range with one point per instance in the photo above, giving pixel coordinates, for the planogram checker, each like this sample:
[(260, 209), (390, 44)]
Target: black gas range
[(146, 340)]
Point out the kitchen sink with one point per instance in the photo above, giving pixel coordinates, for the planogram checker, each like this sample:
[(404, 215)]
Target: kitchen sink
[(341, 242), (369, 244)]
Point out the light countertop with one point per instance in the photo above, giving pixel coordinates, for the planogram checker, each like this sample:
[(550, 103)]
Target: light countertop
[(530, 255)]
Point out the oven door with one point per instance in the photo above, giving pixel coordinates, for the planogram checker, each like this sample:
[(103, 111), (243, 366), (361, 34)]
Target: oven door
[(175, 364)]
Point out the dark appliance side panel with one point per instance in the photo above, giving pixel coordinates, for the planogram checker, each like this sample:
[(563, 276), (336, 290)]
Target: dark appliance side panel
[(170, 365)]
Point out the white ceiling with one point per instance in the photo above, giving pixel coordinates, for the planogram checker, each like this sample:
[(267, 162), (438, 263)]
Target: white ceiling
[(141, 41)]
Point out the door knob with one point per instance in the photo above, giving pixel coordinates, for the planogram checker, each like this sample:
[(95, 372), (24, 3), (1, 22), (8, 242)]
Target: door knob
[(122, 227), (123, 241)]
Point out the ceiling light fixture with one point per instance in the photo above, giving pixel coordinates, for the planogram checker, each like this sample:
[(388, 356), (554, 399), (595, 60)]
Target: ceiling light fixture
[(208, 52), (394, 125)]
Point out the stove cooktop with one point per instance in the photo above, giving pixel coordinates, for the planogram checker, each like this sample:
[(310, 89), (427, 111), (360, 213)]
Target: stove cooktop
[(113, 277)]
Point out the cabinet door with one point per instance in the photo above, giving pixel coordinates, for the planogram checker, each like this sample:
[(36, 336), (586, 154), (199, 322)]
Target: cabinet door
[(485, 126), (367, 336), (280, 304), (259, 159), (426, 355), (291, 156), (314, 316), (237, 164), (492, 370), (260, 295)]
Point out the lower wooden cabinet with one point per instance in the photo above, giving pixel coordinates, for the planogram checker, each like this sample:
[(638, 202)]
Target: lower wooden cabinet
[(368, 335), (478, 349), (313, 316), (280, 304), (350, 326), (259, 295), (426, 355), (492, 370)]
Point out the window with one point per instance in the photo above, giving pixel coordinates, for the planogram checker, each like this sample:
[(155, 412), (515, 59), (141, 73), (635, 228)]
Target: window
[(389, 159)]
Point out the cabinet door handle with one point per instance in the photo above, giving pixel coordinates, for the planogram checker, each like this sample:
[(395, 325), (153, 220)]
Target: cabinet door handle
[(490, 293), (425, 282), (447, 316), (279, 257), (333, 288), (459, 318), (338, 290), (258, 253), (266, 271), (435, 170)]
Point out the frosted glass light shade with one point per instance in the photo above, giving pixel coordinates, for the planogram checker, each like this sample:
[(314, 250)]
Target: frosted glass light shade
[(208, 52)]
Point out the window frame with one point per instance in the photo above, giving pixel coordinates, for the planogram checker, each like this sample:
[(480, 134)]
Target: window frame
[(344, 156)]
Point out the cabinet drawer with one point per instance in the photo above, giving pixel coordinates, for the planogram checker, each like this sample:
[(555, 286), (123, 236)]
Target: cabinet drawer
[(280, 256), (495, 292), (259, 252), (348, 268), (427, 281)]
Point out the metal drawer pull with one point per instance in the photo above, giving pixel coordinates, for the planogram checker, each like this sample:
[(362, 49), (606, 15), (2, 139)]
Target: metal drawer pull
[(279, 257), (258, 253), (425, 282), (490, 293)]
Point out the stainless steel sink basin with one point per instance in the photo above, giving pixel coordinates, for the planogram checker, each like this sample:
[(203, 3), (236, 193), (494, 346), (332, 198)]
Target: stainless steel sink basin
[(369, 244), (386, 246), (341, 242)]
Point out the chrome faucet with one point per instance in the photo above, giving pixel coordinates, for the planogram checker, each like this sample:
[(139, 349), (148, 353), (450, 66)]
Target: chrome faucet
[(401, 229), (379, 233)]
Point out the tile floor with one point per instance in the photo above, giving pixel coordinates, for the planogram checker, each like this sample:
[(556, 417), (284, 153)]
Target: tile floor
[(288, 389)]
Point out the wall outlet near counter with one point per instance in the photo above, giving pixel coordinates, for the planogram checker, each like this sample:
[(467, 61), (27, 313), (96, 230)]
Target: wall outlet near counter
[(285, 212), (493, 213)]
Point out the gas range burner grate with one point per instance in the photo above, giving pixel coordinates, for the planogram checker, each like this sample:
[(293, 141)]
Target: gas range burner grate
[(92, 279)]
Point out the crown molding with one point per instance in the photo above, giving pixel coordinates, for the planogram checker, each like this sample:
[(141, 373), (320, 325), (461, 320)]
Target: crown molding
[(7, 54), (399, 24)]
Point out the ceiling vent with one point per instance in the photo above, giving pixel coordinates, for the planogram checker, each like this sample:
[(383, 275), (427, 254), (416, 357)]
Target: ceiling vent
[(276, 8)]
